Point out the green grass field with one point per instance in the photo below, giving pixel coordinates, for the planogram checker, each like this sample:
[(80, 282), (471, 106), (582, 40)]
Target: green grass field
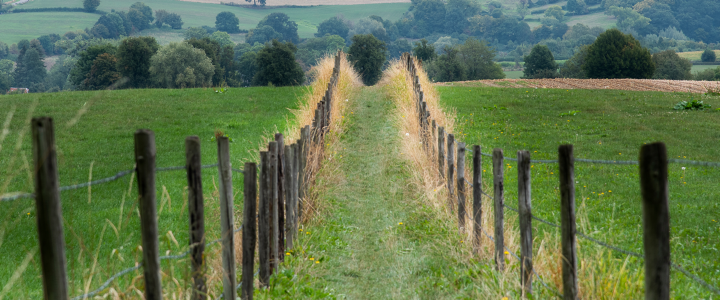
[(695, 55), (609, 125), (103, 137), (193, 14)]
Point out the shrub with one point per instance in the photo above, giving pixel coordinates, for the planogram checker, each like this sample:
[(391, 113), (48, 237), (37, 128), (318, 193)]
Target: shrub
[(540, 63), (367, 53), (618, 55), (708, 75), (668, 65), (708, 56)]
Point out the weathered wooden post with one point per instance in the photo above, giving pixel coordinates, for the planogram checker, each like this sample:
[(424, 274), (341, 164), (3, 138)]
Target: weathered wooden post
[(451, 169), (196, 209), (281, 193), (249, 230), (441, 151), (274, 218), (656, 220), (566, 160), (302, 185), (264, 218), (525, 218), (48, 210), (145, 161), (433, 139), (499, 201), (477, 197), (297, 174), (227, 222), (289, 209), (461, 186)]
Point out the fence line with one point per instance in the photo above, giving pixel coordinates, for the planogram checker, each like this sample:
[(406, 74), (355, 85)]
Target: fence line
[(655, 154)]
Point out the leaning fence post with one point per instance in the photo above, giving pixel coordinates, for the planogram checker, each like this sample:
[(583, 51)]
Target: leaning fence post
[(281, 195), (145, 161), (249, 228), (525, 218), (477, 196), (451, 169), (227, 222), (656, 220), (196, 209), (441, 151), (48, 210), (264, 219), (499, 201), (461, 185), (273, 191), (289, 209), (566, 162), (302, 185)]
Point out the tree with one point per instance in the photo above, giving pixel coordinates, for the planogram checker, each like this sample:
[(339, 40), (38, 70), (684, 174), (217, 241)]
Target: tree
[(276, 64), (30, 71), (540, 63), (6, 75), (281, 23), (398, 47), (172, 19), (449, 67), (572, 68), (577, 7), (85, 61), (223, 38), (707, 56), (370, 26), (103, 73), (48, 43), (628, 19), (134, 56), (228, 22), (262, 35), (4, 50), (555, 12), (91, 5), (478, 60), (668, 65), (708, 75), (618, 55), (247, 66), (333, 26), (368, 54), (195, 33), (424, 51), (429, 15), (140, 15), (179, 65)]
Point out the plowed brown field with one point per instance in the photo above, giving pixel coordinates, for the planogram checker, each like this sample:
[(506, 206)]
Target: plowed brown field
[(688, 86)]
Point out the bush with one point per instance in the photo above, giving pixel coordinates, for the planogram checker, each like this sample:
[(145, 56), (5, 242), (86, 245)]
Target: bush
[(708, 56), (540, 63), (276, 64), (618, 55), (368, 53), (179, 65), (668, 65)]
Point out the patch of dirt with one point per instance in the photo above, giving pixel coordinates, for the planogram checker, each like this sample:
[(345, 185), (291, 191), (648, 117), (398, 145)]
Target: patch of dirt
[(305, 3), (687, 86)]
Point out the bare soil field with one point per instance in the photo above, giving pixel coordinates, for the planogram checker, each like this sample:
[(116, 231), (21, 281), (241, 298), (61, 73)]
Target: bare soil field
[(306, 2), (687, 86)]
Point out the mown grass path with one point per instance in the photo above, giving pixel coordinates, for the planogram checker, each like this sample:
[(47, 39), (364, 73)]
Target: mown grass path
[(377, 241)]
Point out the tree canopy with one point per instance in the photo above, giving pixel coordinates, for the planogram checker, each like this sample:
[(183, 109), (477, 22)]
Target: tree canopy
[(333, 26), (228, 22), (134, 56), (276, 64), (618, 55), (540, 63), (368, 54), (179, 65)]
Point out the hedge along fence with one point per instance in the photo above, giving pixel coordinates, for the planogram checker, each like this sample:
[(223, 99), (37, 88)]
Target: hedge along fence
[(440, 145), (287, 172)]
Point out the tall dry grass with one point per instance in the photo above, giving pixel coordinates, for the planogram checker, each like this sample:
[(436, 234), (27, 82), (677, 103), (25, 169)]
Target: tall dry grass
[(600, 275)]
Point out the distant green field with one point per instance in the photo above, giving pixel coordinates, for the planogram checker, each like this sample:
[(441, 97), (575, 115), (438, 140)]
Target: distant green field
[(16, 27), (102, 139), (513, 74), (698, 68), (192, 13), (608, 125), (695, 55)]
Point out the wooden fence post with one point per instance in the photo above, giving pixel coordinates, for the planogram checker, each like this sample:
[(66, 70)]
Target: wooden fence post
[(656, 220), (145, 161), (196, 209), (249, 230), (289, 209), (499, 201), (441, 151), (302, 185), (566, 162), (281, 195), (525, 218), (461, 185), (264, 218), (296, 189), (433, 139), (48, 210), (274, 229), (227, 222), (451, 169), (477, 197)]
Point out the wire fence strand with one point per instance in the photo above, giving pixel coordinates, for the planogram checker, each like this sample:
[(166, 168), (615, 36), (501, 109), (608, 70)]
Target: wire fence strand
[(616, 162)]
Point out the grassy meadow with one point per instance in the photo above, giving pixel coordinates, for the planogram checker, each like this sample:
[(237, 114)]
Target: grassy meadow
[(94, 135), (192, 13), (609, 125), (695, 55)]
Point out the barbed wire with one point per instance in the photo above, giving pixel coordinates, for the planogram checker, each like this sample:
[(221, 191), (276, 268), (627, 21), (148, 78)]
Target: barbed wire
[(128, 270), (117, 176)]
